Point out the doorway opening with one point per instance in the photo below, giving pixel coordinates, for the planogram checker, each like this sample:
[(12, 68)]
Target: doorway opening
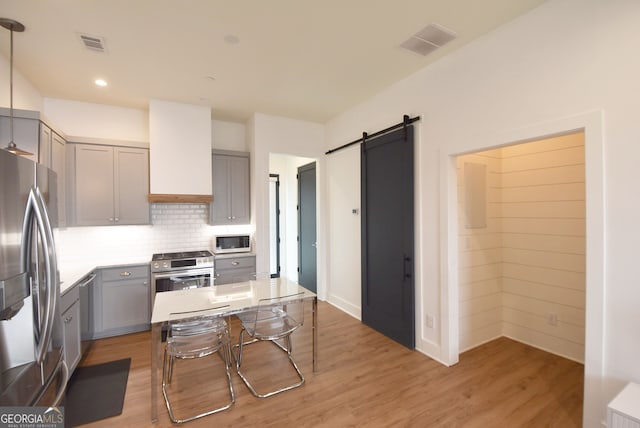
[(522, 245), (274, 225), (286, 168)]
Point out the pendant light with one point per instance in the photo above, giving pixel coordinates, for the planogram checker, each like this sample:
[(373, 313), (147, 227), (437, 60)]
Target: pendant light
[(12, 26)]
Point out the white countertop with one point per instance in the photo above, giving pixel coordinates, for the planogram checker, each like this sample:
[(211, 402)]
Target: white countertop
[(224, 299), (72, 273)]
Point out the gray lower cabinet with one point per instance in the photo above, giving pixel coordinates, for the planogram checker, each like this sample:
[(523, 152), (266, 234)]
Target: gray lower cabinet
[(70, 308), (122, 300), (231, 195), (110, 185), (230, 269)]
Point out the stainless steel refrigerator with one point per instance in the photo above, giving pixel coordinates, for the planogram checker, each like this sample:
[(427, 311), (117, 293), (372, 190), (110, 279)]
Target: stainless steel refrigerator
[(32, 368)]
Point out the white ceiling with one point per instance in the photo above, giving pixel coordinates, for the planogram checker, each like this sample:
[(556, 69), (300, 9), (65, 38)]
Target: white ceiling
[(302, 59)]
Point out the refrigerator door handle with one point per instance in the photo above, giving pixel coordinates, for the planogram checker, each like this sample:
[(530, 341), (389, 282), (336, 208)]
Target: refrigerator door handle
[(63, 384), (36, 208)]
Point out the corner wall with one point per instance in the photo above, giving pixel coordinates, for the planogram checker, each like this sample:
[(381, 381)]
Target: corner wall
[(537, 213)]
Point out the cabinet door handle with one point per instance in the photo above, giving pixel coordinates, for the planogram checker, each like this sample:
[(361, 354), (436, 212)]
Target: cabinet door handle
[(233, 217), (117, 219), (228, 218), (110, 218), (125, 273), (67, 320), (235, 263)]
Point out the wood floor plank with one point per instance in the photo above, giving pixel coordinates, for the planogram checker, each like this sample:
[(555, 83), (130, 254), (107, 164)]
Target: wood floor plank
[(366, 380)]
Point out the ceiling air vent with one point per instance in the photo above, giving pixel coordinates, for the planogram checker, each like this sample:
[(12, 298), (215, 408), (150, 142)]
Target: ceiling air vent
[(430, 38), (93, 43)]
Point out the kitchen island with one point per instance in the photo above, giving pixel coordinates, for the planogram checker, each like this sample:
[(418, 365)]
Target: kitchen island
[(223, 300)]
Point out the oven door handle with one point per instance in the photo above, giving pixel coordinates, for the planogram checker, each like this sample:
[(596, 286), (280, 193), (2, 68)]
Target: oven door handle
[(183, 273)]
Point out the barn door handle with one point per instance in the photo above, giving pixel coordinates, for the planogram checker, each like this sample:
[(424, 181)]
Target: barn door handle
[(407, 269)]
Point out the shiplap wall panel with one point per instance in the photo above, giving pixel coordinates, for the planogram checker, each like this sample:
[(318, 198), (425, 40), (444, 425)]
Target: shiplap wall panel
[(488, 256), (544, 192), (535, 160), (552, 277), (555, 175), (545, 259), (543, 209), (544, 284), (477, 289), (479, 335), (526, 319), (555, 345), (568, 314), (545, 226), (543, 293), (545, 145), (480, 293), (481, 327), (544, 242), (536, 216), (485, 303)]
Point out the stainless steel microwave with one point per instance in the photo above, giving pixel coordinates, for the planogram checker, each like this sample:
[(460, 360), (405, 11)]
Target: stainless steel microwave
[(232, 244)]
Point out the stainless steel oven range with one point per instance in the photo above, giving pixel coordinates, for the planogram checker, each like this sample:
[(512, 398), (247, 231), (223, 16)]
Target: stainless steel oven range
[(177, 271)]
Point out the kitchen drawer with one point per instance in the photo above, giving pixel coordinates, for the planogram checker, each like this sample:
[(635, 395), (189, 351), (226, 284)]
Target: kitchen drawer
[(70, 296), (229, 276), (125, 272), (236, 263)]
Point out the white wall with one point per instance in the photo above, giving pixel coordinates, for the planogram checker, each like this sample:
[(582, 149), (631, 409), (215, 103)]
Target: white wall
[(25, 95), (343, 187), (228, 136), (273, 134), (89, 120), (179, 148), (553, 66)]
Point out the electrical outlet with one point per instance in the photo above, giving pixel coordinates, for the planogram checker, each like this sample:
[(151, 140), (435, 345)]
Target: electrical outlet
[(429, 321), (552, 319)]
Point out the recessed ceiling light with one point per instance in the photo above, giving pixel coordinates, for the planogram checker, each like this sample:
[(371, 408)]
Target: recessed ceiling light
[(101, 82), (231, 39)]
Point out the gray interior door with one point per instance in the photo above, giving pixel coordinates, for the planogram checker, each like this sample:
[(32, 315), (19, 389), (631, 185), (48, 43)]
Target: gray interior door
[(307, 269), (388, 302)]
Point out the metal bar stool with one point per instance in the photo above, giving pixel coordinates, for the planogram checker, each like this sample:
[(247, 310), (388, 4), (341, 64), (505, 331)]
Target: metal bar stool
[(196, 338), (274, 319)]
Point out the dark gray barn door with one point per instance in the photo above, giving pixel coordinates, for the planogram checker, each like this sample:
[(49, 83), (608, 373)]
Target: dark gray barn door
[(388, 302), (307, 251)]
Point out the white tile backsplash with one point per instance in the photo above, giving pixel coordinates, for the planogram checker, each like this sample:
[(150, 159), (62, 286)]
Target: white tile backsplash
[(175, 227)]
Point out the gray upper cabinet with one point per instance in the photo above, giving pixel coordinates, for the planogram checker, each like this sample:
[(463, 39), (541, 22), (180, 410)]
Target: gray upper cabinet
[(231, 190), (110, 185), (46, 145), (52, 155), (131, 185)]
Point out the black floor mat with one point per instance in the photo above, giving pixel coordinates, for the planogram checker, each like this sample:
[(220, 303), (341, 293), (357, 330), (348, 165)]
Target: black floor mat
[(96, 392)]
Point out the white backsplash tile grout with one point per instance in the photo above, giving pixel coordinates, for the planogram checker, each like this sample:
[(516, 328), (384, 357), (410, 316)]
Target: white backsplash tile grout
[(175, 227)]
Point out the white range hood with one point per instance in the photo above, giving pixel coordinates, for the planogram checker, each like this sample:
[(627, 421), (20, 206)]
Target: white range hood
[(179, 152)]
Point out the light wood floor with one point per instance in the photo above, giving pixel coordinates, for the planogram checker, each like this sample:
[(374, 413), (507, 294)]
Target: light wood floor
[(364, 380)]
